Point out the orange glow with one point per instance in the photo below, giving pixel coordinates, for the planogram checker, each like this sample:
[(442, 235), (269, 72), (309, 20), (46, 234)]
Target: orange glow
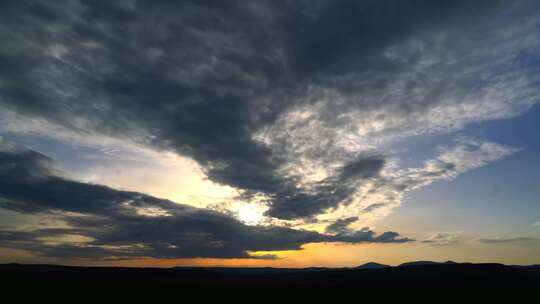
[(341, 255)]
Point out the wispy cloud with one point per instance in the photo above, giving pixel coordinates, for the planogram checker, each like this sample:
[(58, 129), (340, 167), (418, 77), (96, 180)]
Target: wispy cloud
[(506, 240), (378, 196), (443, 239)]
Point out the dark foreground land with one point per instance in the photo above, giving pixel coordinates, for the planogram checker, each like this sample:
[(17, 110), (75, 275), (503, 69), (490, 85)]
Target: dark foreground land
[(415, 276)]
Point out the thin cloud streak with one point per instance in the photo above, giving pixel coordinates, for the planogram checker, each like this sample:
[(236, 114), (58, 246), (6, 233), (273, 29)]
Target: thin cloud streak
[(506, 240)]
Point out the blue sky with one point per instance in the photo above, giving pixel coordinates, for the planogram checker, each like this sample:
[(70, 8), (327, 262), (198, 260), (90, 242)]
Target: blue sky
[(500, 199)]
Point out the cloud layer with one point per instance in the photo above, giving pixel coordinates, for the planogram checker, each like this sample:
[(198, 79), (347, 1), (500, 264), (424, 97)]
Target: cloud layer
[(100, 222), (293, 103)]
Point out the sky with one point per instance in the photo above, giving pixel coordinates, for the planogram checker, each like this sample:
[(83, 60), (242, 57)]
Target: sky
[(269, 133)]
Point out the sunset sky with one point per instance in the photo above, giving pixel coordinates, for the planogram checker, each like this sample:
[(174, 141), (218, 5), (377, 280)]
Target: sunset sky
[(269, 133)]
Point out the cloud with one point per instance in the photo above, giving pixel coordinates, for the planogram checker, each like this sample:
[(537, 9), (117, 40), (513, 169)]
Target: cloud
[(505, 240), (290, 203), (285, 100), (104, 223), (378, 196), (442, 239), (536, 224), (341, 225)]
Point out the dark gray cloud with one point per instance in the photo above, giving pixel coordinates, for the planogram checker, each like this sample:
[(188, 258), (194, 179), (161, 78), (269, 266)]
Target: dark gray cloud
[(201, 78), (341, 225), (289, 203), (122, 224), (375, 206)]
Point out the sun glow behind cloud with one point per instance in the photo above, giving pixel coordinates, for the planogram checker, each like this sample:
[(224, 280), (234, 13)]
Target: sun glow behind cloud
[(162, 174), (179, 179)]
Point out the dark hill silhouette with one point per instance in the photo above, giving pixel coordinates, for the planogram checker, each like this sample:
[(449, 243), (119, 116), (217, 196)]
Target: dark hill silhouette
[(423, 263), (372, 275), (372, 265)]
